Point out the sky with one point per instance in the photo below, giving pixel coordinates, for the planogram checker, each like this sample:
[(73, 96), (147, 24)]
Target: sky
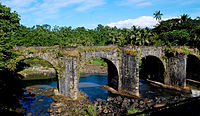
[(90, 13)]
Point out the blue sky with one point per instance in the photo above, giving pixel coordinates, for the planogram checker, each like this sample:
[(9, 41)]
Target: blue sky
[(90, 13)]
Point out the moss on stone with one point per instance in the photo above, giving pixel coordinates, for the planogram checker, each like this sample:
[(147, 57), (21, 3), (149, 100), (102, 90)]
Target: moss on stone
[(73, 53), (100, 48), (132, 52), (176, 51)]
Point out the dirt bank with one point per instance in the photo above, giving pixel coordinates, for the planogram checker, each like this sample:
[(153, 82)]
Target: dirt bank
[(94, 69)]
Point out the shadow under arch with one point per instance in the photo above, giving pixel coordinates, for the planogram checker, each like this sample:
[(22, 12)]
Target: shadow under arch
[(193, 68), (113, 78), (21, 64), (152, 67)]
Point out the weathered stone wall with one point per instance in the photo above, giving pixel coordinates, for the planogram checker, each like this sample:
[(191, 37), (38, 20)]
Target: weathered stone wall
[(177, 71), (68, 84), (111, 56), (151, 51), (130, 74), (46, 53)]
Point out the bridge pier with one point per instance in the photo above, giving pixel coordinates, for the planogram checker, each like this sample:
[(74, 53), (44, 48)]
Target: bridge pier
[(68, 83), (130, 74), (176, 71)]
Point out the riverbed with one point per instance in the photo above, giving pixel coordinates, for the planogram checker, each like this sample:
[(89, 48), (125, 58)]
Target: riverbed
[(90, 84)]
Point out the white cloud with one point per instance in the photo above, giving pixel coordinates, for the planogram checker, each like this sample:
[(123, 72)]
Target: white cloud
[(138, 3), (144, 21), (144, 4)]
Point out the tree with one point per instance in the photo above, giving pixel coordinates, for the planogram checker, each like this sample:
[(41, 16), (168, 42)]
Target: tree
[(140, 36), (177, 25), (176, 37), (9, 23), (184, 18), (158, 15)]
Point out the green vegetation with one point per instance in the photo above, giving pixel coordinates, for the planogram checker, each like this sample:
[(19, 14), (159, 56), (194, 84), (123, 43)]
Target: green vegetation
[(98, 61), (35, 66), (173, 32), (36, 62), (157, 15), (90, 111), (10, 90), (9, 24), (132, 110)]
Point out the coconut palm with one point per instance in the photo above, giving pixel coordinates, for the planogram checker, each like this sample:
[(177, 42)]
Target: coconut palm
[(184, 18), (157, 15)]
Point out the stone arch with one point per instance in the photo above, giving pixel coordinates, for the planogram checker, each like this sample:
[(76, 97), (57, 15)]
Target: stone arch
[(152, 67), (193, 67), (113, 73), (111, 58), (51, 63), (46, 59)]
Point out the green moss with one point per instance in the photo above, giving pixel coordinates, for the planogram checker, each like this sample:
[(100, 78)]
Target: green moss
[(31, 50), (60, 68), (30, 71), (132, 110), (73, 53), (104, 49), (165, 58), (59, 54), (90, 111), (132, 52), (177, 51), (43, 50), (98, 61)]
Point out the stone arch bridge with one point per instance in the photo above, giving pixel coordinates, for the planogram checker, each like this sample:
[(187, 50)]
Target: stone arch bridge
[(123, 64)]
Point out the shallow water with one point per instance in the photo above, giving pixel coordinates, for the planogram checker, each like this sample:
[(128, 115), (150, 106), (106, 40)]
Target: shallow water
[(88, 83), (38, 105)]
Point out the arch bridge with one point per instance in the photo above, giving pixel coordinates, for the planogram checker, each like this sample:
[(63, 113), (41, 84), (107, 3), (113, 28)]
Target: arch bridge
[(123, 65)]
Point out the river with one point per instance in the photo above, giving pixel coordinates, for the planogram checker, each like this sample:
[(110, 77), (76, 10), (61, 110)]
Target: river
[(88, 83)]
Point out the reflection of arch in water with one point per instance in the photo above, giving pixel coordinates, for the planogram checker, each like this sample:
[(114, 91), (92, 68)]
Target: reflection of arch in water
[(20, 65), (193, 68), (113, 78), (152, 68)]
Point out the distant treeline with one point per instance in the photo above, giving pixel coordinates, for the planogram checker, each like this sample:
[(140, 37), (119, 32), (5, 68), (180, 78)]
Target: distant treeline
[(173, 32)]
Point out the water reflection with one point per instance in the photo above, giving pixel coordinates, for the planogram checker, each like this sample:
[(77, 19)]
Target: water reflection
[(40, 80), (38, 105), (90, 84)]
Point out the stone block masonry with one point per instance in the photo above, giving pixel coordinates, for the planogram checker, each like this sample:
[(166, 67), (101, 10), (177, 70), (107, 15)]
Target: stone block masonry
[(123, 64)]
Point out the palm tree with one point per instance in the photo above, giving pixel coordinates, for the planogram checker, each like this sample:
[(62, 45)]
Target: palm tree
[(157, 15), (184, 18)]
